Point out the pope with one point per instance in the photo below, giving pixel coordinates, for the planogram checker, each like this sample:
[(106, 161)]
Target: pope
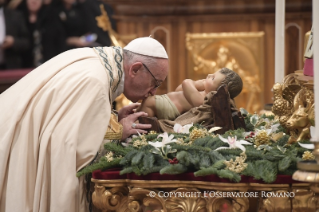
[(54, 120)]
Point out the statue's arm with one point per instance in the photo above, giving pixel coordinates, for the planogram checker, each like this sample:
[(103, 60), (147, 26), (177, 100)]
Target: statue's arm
[(199, 85), (192, 95)]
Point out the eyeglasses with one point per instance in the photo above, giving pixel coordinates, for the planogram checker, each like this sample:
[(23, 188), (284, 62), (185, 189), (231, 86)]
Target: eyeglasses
[(157, 83)]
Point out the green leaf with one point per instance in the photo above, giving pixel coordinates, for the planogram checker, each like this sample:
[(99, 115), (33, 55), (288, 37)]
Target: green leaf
[(173, 169), (284, 163), (282, 149), (254, 119)]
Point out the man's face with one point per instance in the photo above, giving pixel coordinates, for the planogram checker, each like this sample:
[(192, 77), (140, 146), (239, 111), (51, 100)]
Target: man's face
[(213, 81), (143, 84)]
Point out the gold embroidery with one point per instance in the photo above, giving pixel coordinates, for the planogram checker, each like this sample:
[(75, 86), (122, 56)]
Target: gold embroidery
[(114, 130)]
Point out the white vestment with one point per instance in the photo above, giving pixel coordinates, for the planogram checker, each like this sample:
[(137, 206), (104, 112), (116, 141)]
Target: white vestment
[(52, 123)]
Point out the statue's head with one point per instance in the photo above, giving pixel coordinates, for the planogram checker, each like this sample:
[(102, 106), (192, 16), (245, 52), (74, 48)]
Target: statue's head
[(233, 82)]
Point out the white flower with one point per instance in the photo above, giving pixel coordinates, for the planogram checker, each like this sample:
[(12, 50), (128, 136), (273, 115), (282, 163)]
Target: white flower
[(312, 134), (233, 143), (274, 127), (166, 140), (182, 129), (307, 146), (156, 144), (213, 129)]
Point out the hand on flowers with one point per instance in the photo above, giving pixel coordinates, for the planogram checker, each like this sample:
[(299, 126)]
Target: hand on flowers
[(130, 127), (127, 110)]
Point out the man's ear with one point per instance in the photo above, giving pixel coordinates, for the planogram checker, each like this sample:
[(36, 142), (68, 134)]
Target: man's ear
[(135, 67)]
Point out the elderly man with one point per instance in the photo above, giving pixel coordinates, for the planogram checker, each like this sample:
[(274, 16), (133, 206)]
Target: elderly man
[(53, 121)]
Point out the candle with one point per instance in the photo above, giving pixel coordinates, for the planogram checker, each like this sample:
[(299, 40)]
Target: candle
[(280, 41), (315, 45)]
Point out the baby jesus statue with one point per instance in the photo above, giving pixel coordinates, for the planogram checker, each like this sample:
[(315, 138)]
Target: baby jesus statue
[(185, 105)]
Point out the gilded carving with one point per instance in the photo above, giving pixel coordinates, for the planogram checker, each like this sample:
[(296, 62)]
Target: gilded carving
[(304, 200), (228, 204), (142, 199), (294, 106), (193, 196), (241, 52), (192, 203), (109, 199), (275, 203)]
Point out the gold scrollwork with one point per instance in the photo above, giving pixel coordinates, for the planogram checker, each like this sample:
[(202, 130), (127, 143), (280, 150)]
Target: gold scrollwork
[(109, 199), (188, 196), (304, 200), (273, 202), (187, 200), (231, 203), (140, 198)]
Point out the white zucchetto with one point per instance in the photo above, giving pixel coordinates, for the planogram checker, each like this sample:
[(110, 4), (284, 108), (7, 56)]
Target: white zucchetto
[(147, 46)]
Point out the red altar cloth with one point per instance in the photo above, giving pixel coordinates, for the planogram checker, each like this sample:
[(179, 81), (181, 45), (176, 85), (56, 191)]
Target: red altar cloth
[(114, 174), (13, 75), (9, 77)]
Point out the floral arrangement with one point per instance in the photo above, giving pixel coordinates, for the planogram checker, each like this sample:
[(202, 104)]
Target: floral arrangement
[(261, 152)]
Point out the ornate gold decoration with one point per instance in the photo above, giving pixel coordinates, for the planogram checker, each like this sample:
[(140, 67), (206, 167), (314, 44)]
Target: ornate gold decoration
[(238, 165), (142, 195), (304, 200), (152, 132), (139, 143), (233, 203), (294, 106), (113, 199), (197, 133), (300, 121), (241, 52), (307, 155), (262, 138), (114, 130), (273, 203), (110, 156), (104, 23), (194, 203)]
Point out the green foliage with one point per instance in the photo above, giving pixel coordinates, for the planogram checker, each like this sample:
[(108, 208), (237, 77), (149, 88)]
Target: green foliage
[(117, 149), (284, 163), (206, 171), (174, 169), (265, 170), (101, 165), (201, 157), (229, 175)]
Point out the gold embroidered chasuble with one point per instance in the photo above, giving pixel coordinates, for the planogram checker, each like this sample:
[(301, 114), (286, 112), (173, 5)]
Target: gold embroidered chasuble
[(52, 123)]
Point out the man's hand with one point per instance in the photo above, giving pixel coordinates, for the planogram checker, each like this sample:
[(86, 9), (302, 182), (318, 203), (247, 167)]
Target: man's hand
[(129, 128), (127, 110)]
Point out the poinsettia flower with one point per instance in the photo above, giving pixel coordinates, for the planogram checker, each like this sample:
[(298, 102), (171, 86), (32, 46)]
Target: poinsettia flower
[(233, 143), (182, 129), (309, 146)]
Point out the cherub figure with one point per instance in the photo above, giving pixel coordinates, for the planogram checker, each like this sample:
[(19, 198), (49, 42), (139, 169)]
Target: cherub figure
[(190, 94)]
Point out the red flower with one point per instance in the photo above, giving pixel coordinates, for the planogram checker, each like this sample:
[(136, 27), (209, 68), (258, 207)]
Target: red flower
[(174, 161)]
